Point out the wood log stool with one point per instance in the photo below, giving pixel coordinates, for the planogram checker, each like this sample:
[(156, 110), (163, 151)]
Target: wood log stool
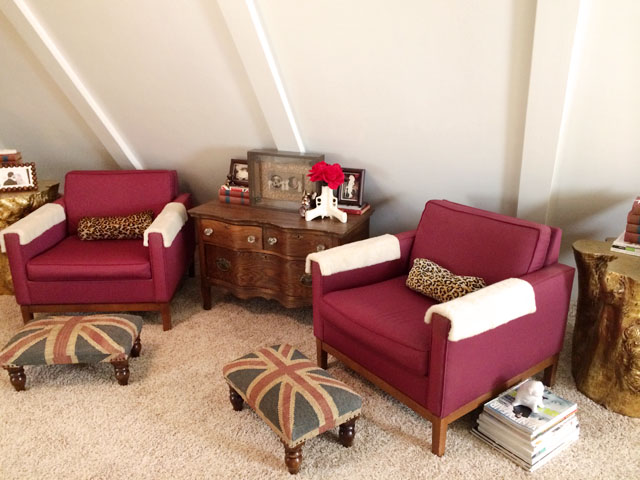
[(295, 397), (73, 339), (605, 359)]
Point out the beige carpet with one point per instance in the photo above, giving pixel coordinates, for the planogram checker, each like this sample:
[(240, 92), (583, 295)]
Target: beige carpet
[(174, 419)]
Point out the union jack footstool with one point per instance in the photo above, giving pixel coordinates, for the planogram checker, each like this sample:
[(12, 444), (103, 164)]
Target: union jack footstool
[(73, 339), (295, 397)]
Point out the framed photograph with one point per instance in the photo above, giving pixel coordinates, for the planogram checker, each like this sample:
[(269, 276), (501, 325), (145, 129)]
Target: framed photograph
[(352, 190), (278, 179), (18, 177), (239, 172)]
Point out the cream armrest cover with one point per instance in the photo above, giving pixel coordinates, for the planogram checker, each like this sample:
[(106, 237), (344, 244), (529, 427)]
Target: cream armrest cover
[(168, 223), (35, 224), (363, 253), (487, 308)]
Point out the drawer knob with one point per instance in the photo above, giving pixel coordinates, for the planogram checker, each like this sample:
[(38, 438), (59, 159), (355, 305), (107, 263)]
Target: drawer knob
[(208, 231), (251, 239), (272, 240), (320, 247), (223, 264)]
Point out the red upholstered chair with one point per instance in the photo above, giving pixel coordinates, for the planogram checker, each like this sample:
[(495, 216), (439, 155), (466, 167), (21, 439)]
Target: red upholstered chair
[(473, 347), (54, 271)]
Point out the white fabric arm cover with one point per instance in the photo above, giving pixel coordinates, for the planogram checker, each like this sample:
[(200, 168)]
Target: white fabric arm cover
[(487, 308), (363, 253), (35, 224), (168, 223)]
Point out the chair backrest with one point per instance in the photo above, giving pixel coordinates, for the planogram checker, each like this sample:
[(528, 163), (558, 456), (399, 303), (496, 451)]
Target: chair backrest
[(100, 193), (471, 241)]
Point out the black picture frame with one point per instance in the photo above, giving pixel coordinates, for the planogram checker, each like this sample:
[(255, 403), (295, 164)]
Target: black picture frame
[(351, 192), (239, 172)]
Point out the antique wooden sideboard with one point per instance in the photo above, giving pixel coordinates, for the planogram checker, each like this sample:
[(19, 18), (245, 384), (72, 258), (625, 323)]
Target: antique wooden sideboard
[(260, 252)]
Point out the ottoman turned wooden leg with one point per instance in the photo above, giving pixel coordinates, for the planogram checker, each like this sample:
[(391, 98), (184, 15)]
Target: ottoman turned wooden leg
[(17, 377), (136, 348), (235, 399), (293, 458), (347, 432), (121, 368)]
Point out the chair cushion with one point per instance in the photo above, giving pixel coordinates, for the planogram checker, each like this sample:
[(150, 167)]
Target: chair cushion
[(470, 241), (73, 259), (294, 396), (105, 193), (386, 317), (434, 281), (72, 339), (126, 227)]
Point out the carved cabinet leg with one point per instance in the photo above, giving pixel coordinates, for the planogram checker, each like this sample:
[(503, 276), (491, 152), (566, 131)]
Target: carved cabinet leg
[(17, 377), (235, 399), (122, 371), (347, 432), (136, 348), (293, 458)]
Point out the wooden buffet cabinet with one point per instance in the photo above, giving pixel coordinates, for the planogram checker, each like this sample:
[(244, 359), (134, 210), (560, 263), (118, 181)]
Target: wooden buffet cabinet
[(259, 252)]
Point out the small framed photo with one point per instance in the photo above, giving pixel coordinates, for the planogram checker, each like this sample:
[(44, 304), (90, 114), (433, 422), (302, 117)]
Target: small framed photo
[(351, 192), (239, 172), (18, 177), (279, 179)]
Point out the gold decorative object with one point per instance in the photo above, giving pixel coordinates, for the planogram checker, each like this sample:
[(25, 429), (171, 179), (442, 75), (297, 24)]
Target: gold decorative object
[(13, 207), (605, 360)]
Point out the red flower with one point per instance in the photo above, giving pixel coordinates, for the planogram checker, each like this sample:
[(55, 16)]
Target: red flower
[(332, 175)]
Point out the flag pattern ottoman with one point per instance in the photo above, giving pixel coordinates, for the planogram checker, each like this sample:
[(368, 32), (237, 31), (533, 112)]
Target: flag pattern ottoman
[(73, 339), (294, 396)]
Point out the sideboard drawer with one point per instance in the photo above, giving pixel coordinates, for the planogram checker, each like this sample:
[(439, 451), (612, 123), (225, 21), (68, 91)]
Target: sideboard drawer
[(237, 237), (296, 244)]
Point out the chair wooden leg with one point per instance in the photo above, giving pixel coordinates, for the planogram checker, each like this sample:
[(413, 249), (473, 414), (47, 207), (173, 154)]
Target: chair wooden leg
[(438, 436), (27, 315), (166, 316), (549, 375), (321, 355)]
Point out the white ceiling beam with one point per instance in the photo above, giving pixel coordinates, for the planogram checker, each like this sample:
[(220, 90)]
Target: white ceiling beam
[(33, 32), (555, 49), (244, 23)]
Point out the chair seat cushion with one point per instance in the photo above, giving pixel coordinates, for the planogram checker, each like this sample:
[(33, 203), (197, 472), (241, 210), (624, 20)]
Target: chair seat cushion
[(386, 317), (294, 396), (73, 259), (72, 339)]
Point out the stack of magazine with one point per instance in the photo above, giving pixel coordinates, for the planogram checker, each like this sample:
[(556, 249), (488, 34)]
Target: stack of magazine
[(533, 440)]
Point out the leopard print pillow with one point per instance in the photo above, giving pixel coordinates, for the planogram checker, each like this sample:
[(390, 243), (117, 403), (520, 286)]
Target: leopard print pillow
[(437, 282), (115, 228)]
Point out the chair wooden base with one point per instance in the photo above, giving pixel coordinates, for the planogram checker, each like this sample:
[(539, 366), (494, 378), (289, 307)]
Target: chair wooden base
[(164, 308), (439, 425)]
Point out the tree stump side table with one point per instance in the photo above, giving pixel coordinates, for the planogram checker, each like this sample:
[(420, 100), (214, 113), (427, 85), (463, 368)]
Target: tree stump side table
[(605, 359)]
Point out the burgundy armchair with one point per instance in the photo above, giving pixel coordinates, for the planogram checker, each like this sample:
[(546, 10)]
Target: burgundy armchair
[(473, 347), (54, 271)]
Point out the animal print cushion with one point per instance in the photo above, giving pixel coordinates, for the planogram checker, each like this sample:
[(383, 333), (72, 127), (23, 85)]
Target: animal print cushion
[(437, 282), (115, 228)]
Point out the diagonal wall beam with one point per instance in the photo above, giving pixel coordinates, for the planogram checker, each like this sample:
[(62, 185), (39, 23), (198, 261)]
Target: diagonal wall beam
[(55, 63)]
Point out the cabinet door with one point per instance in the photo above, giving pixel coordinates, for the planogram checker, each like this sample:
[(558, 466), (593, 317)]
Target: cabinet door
[(293, 243)]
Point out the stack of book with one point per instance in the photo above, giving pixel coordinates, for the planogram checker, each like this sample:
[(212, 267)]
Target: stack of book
[(10, 156), (629, 240), (354, 209), (530, 441), (234, 194)]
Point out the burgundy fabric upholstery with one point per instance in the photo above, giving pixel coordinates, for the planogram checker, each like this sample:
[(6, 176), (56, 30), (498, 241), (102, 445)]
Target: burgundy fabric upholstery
[(117, 192), (74, 259), (469, 241), (370, 316)]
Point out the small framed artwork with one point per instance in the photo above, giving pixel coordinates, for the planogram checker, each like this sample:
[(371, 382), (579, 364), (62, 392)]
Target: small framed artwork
[(18, 177), (279, 179), (239, 172), (351, 192)]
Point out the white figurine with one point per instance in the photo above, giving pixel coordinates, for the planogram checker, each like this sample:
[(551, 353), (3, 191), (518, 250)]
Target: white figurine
[(530, 395)]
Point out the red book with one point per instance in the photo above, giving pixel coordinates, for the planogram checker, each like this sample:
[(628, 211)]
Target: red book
[(633, 228), (635, 208), (631, 237), (633, 218), (234, 200), (354, 210), (233, 191), (10, 157)]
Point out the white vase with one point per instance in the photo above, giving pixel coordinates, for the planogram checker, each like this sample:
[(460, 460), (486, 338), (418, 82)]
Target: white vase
[(326, 206)]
